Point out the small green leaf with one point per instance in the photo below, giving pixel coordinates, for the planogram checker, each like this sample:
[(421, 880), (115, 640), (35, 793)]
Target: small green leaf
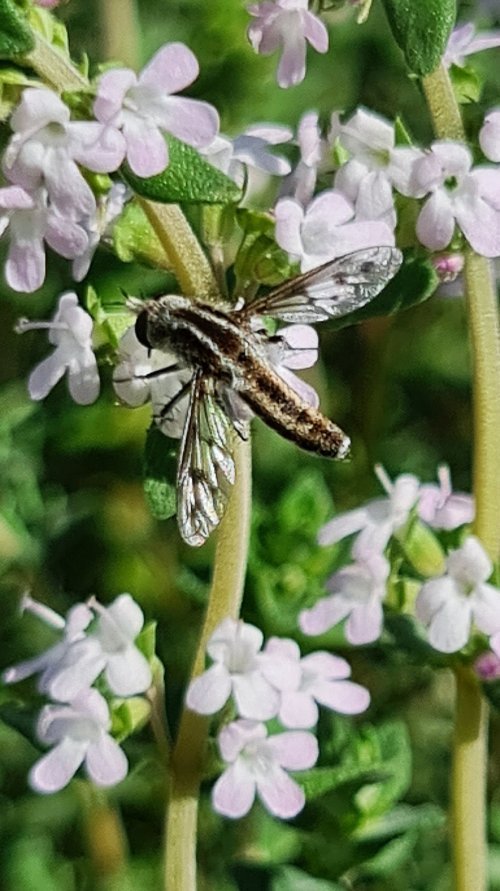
[(160, 467), (421, 29), (415, 282), (16, 38), (467, 84), (146, 641), (135, 239), (128, 715), (289, 878), (320, 780), (188, 179)]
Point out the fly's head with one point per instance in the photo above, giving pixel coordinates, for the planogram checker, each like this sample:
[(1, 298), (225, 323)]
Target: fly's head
[(156, 319)]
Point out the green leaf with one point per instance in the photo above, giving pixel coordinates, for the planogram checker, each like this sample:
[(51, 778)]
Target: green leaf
[(135, 239), (16, 38), (160, 468), (128, 715), (421, 29), (391, 746), (415, 282), (111, 325), (188, 179), (320, 780), (401, 819), (467, 84), (289, 878)]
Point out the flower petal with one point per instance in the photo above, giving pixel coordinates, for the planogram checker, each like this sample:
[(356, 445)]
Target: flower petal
[(254, 697), (344, 697), (172, 68), (234, 792), (54, 770), (210, 691), (128, 672), (105, 763), (436, 222), (294, 750), (279, 794)]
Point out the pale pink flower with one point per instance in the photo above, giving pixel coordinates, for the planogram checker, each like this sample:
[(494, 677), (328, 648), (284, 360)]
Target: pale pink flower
[(458, 194), (252, 149), (79, 735), (442, 508), (258, 765), (239, 670), (322, 679), (326, 229), (450, 604), (143, 108), (464, 42), (357, 593), (99, 225), (286, 24), (489, 135), (70, 332), (30, 221)]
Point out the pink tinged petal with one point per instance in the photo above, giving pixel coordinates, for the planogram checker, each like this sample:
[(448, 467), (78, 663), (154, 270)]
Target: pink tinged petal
[(105, 763), (83, 662), (97, 147), (172, 68), (400, 168), (234, 792), (68, 190), (489, 136), (254, 696), (298, 709), (127, 614), (210, 691), (54, 771), (29, 667), (147, 152), (344, 697), (306, 392), (330, 208), (45, 376), (458, 510), (25, 265), (289, 216), (486, 181), (192, 121), (295, 750), (480, 224), (16, 198), (349, 178), (365, 130), (365, 623), (454, 158), (315, 32), (436, 223), (128, 672), (470, 563), (486, 608), (279, 794), (326, 665), (83, 380), (375, 200), (345, 524), (358, 235), (282, 648), (230, 631), (446, 612), (111, 91), (38, 108), (65, 237), (292, 64), (326, 613), (302, 343), (234, 737)]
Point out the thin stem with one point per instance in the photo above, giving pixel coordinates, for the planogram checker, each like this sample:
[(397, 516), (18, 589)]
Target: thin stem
[(105, 837), (53, 67), (119, 31), (468, 784), (469, 741), (187, 758)]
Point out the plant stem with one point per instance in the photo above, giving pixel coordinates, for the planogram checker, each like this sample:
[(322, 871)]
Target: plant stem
[(53, 67), (119, 31), (187, 757), (469, 740)]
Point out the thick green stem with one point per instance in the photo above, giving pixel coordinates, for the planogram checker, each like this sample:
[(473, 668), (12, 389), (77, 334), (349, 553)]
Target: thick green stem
[(469, 741), (53, 67), (119, 32), (188, 755)]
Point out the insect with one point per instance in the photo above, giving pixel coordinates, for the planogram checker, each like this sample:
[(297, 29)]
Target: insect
[(227, 353)]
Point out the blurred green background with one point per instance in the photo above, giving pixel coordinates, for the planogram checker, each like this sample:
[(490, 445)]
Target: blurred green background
[(73, 520)]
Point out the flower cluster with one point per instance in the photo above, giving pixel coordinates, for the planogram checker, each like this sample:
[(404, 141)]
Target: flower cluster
[(48, 199), (96, 642), (448, 604), (264, 683)]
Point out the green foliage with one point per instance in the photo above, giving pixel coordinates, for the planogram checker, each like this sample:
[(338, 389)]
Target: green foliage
[(421, 30), (188, 179), (467, 83), (16, 38), (135, 239), (291, 879)]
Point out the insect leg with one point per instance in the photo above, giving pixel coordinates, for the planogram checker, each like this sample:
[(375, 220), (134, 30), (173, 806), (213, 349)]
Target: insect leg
[(159, 372), (173, 402)]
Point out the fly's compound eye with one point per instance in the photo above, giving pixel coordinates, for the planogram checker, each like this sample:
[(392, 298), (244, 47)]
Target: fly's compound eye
[(141, 330)]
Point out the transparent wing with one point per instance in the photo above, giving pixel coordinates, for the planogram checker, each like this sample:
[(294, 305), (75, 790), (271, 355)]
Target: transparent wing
[(206, 468), (332, 290)]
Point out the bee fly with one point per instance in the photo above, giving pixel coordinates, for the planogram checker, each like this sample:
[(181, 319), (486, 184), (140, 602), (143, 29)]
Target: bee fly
[(229, 358)]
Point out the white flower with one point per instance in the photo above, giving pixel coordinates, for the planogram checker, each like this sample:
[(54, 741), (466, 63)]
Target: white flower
[(78, 732), (377, 519), (357, 594), (459, 194), (376, 166), (46, 148), (251, 148), (326, 229), (143, 108), (442, 508), (302, 181), (240, 670), (463, 42), (258, 765), (82, 655), (70, 332), (98, 225), (489, 135), (287, 24), (322, 680), (31, 220), (448, 605)]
